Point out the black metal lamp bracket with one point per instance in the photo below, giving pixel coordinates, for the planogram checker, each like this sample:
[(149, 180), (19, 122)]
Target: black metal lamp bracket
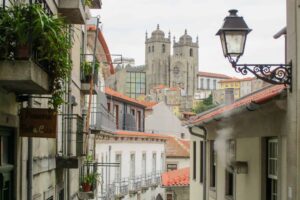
[(270, 73)]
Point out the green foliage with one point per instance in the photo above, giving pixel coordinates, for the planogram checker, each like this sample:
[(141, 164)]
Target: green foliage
[(87, 67), (88, 3), (22, 23), (91, 178), (204, 105)]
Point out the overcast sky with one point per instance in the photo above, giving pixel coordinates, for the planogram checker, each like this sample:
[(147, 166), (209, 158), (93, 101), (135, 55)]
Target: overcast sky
[(124, 23)]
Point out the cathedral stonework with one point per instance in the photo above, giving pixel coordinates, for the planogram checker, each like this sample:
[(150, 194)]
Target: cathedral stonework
[(178, 70)]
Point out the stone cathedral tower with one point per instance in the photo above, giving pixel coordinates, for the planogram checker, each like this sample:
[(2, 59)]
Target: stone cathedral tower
[(157, 59), (184, 68)]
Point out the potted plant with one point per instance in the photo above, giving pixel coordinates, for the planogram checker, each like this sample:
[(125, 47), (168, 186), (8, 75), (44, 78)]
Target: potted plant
[(88, 181), (28, 32), (87, 69)]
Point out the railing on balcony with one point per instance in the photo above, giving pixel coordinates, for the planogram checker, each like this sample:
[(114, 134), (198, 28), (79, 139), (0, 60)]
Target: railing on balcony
[(86, 64), (89, 180), (101, 118)]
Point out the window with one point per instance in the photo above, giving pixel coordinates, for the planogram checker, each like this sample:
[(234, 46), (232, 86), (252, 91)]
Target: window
[(182, 135), (201, 83), (108, 106), (202, 152), (212, 165), (163, 48), (149, 49), (118, 169), (154, 162), (132, 111), (135, 84), (229, 177), (272, 166), (144, 164), (139, 118), (171, 167), (169, 196), (215, 85), (194, 160), (191, 52), (116, 114), (208, 84), (152, 48), (132, 166)]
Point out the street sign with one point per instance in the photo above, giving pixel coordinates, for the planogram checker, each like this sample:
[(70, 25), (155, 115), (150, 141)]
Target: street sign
[(38, 122)]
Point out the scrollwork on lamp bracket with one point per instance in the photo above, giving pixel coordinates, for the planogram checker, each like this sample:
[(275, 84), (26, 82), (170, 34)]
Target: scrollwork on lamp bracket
[(271, 73)]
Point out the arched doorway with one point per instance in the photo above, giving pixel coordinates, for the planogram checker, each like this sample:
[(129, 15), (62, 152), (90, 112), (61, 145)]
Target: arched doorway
[(159, 197)]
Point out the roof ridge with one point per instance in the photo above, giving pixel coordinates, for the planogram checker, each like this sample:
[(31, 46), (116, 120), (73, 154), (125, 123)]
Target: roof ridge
[(182, 145)]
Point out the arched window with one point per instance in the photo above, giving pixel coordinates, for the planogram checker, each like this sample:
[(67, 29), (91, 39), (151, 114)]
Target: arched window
[(191, 52), (149, 49), (163, 48), (152, 48)]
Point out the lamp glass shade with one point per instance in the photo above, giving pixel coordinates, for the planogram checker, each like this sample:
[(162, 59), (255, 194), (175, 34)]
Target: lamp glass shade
[(234, 42)]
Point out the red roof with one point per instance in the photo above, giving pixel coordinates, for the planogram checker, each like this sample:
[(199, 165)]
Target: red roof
[(111, 92), (149, 104), (213, 75), (257, 97), (159, 87), (177, 148), (139, 134), (180, 177)]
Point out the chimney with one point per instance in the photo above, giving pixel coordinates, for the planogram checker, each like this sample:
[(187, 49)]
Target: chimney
[(229, 96)]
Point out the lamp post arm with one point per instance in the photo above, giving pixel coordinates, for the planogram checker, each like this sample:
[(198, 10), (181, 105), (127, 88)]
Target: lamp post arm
[(271, 73)]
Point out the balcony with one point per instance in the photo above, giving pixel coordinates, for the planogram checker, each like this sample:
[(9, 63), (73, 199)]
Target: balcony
[(120, 188), (101, 120), (23, 77), (69, 162), (89, 179), (146, 182), (72, 10), (155, 179), (133, 186), (86, 75)]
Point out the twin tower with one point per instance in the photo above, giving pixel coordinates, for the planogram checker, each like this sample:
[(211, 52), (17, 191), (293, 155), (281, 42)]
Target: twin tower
[(177, 70)]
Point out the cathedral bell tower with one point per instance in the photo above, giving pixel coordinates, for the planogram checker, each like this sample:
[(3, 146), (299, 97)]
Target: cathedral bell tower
[(157, 58)]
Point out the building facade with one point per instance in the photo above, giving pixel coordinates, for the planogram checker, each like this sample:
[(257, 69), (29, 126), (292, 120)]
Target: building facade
[(208, 82), (140, 159)]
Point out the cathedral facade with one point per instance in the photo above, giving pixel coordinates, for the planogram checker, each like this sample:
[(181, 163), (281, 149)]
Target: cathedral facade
[(178, 70)]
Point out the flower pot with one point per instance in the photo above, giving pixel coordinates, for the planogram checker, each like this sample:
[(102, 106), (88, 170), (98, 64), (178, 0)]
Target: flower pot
[(86, 187), (22, 52)]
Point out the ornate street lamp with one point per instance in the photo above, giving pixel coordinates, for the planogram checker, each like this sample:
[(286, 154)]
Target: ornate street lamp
[(233, 35)]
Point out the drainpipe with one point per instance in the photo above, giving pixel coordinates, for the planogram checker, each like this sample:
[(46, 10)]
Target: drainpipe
[(204, 137), (29, 162)]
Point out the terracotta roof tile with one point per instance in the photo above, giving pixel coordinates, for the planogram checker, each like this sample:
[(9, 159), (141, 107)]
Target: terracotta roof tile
[(213, 75), (177, 148), (180, 177), (111, 92), (149, 104), (257, 97), (159, 87)]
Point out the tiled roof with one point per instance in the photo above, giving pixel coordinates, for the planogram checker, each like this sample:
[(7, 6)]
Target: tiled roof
[(188, 113), (149, 104), (213, 75), (111, 92), (159, 87), (139, 134), (260, 96), (180, 177), (177, 148)]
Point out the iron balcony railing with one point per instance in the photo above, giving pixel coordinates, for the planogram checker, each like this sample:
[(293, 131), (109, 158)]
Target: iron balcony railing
[(89, 175), (120, 188)]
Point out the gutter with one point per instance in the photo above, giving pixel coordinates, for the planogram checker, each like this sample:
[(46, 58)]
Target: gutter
[(204, 154)]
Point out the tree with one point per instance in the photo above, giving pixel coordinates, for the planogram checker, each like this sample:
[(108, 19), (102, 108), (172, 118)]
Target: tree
[(204, 105)]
